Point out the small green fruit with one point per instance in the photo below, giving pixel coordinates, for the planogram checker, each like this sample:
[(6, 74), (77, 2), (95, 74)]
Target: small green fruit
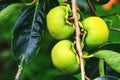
[(65, 58), (97, 31), (57, 23)]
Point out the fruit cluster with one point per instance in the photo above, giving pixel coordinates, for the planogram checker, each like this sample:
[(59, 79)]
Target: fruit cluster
[(64, 55)]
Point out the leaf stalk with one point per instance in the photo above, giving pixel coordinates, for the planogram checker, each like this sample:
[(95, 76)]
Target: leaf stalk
[(19, 73)]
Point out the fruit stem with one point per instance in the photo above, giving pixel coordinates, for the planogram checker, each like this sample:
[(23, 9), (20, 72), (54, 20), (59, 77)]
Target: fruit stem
[(86, 57), (78, 33), (101, 68), (31, 3), (91, 7), (19, 73)]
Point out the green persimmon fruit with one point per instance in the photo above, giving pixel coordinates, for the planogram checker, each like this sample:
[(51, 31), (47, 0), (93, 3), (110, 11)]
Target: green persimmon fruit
[(97, 31), (58, 25), (27, 1), (65, 58)]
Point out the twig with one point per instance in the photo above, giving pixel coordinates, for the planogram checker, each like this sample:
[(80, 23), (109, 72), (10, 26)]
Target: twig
[(115, 29), (108, 15), (31, 3), (78, 33), (19, 73), (92, 8)]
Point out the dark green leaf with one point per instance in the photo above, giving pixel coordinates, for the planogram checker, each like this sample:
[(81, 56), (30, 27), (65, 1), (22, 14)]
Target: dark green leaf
[(107, 78), (66, 77), (110, 57), (27, 33), (111, 72), (99, 2), (2, 6), (9, 1), (91, 68), (49, 4), (115, 46), (84, 7)]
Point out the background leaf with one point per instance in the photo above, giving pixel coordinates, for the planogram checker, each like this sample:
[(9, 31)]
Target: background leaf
[(84, 7), (66, 77), (27, 33), (99, 2), (49, 4), (91, 68)]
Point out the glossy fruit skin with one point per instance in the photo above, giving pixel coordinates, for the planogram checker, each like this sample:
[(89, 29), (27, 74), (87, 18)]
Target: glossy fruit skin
[(65, 58), (57, 23), (27, 1), (97, 31)]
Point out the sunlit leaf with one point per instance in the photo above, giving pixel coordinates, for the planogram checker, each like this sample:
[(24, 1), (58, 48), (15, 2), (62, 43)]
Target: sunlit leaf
[(9, 14), (112, 58)]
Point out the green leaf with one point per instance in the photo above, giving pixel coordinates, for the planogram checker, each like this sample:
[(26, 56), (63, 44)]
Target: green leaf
[(66, 77), (84, 7), (99, 2), (115, 46), (107, 78), (92, 68), (49, 4), (27, 33), (9, 14), (61, 2), (112, 58)]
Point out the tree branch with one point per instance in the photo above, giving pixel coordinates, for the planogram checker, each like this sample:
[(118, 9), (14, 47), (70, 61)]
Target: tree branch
[(19, 73), (78, 33), (91, 7), (108, 15), (115, 29)]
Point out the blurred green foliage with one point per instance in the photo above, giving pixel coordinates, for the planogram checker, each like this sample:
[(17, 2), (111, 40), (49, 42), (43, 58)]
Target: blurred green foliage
[(41, 68)]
